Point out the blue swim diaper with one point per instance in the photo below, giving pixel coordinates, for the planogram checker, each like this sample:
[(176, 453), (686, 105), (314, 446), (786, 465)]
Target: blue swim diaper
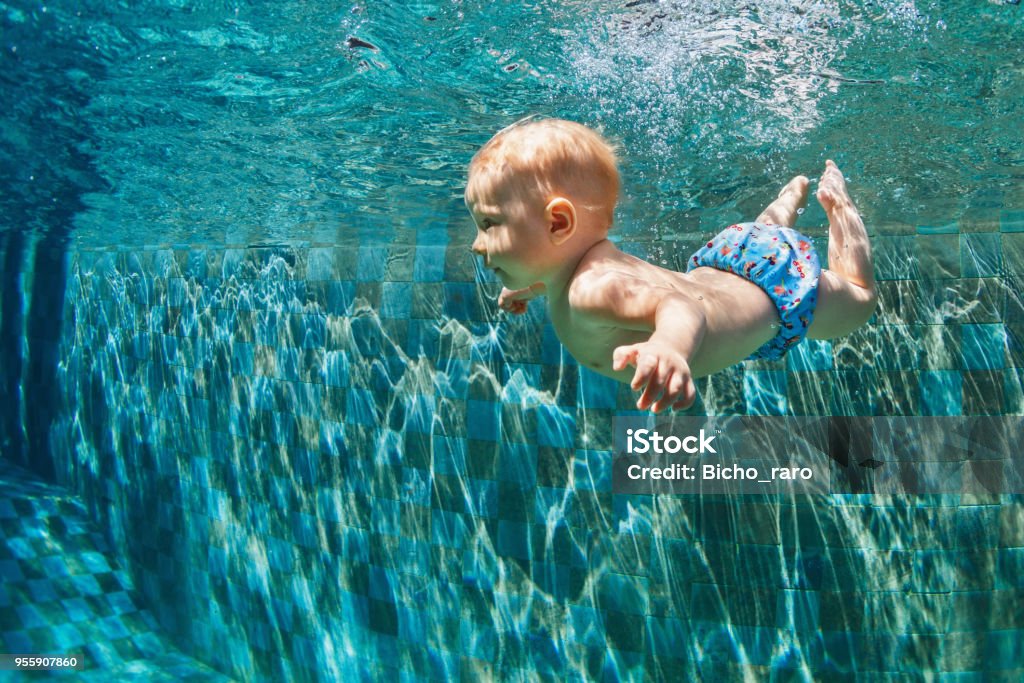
[(780, 261)]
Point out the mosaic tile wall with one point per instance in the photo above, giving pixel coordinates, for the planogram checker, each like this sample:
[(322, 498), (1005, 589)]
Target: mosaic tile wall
[(319, 462), (63, 593)]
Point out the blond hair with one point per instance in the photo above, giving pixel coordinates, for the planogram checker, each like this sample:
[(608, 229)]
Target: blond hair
[(549, 158)]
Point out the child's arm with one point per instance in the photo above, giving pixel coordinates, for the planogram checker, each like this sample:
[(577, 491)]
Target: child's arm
[(514, 301), (676, 321)]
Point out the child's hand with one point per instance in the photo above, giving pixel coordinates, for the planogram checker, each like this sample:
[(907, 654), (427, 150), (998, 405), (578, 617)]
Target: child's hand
[(662, 370), (514, 301)]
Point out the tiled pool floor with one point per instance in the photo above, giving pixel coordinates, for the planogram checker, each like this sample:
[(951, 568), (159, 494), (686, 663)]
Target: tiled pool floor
[(62, 592)]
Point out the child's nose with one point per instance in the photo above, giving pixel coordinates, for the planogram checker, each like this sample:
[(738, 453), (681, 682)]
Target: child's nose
[(478, 247)]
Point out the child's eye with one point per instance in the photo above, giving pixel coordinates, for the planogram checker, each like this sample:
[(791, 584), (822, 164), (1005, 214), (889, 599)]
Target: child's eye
[(487, 223)]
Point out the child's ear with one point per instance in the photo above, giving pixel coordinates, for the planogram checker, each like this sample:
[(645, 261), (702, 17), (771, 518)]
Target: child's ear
[(561, 215)]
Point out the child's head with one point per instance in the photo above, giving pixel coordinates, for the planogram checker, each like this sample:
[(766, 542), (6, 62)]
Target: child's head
[(542, 159)]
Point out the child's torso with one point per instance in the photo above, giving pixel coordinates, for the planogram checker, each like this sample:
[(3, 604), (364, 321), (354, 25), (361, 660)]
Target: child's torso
[(740, 317)]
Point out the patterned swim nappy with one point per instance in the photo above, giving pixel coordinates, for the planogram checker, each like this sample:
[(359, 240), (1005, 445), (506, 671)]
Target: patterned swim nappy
[(780, 261)]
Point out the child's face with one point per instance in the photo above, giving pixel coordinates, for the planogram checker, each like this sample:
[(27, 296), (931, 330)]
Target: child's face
[(511, 236)]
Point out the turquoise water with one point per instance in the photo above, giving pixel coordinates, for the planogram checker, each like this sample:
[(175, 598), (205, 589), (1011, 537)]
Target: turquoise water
[(241, 328), (242, 123)]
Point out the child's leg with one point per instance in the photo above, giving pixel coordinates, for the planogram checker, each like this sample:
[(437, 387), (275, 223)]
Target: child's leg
[(846, 291), (783, 211)]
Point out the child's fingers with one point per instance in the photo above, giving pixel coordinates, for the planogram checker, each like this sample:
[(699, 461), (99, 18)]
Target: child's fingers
[(646, 366), (657, 379), (673, 387), (687, 397), (623, 356)]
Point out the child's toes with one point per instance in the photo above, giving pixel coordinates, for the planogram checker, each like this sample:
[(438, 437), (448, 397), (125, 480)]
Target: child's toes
[(826, 198)]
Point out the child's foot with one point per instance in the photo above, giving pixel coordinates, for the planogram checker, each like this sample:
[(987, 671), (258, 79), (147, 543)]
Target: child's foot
[(784, 210), (832, 192), (849, 250)]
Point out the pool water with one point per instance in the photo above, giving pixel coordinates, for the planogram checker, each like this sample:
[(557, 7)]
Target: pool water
[(243, 334)]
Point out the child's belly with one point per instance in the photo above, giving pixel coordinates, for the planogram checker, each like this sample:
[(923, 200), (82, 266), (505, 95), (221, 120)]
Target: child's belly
[(740, 316)]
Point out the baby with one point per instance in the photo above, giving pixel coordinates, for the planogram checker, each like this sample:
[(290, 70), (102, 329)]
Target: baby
[(542, 195)]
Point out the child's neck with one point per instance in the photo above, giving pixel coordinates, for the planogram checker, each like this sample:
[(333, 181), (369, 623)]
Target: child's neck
[(575, 254)]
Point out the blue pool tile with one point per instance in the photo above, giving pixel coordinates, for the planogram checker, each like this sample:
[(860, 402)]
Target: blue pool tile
[(412, 625), (553, 579), (811, 355), (592, 470), (624, 593), (386, 516), (336, 369), (360, 408), (340, 297), (478, 640), (941, 392), (543, 653), (980, 254), (552, 352), (482, 497), (555, 427), (77, 609), (18, 642), (482, 418), (449, 455), (945, 229), (396, 300), (367, 337), (280, 554), (320, 264), (112, 627), (415, 556), (460, 300), (518, 464), (551, 500), (1004, 649), (86, 585), (632, 514), (764, 392), (31, 617), (1010, 568), (424, 338), (442, 666), (586, 626), (797, 609), (415, 486), (452, 379), (448, 529), (667, 637), (478, 570), (530, 372), (428, 265), (757, 643), (217, 562), (983, 346), (513, 539), (20, 548), (1011, 221), (67, 636), (372, 262), (420, 413), (597, 391)]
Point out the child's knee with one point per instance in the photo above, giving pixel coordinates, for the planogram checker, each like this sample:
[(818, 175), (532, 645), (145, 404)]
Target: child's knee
[(867, 302)]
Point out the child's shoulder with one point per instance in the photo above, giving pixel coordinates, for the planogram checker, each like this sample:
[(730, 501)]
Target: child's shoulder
[(608, 281), (593, 284)]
